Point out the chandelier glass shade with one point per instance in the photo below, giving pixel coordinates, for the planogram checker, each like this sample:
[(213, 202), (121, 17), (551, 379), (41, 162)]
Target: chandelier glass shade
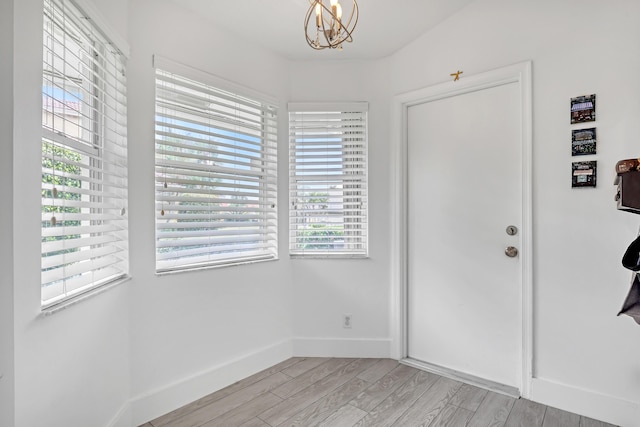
[(325, 25)]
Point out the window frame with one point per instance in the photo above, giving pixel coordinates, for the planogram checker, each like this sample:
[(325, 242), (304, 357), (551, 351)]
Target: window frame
[(267, 182), (91, 168), (346, 111)]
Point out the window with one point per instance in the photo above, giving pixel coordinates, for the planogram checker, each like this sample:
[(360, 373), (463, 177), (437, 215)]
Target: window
[(216, 177), (328, 180), (84, 156)]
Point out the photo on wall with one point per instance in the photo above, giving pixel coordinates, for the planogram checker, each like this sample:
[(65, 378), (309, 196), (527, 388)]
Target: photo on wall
[(583, 174), (583, 109), (583, 142)]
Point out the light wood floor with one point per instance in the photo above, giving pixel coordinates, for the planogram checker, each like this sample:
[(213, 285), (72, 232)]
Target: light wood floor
[(360, 392)]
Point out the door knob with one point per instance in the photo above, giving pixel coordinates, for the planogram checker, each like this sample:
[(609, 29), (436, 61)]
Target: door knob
[(511, 251)]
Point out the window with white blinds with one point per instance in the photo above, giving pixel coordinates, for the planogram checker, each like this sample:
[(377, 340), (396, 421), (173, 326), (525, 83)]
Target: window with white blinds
[(216, 177), (328, 180), (84, 156)]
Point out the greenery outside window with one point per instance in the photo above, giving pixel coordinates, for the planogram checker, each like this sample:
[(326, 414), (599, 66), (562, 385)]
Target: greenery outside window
[(328, 180), (84, 156), (216, 177)]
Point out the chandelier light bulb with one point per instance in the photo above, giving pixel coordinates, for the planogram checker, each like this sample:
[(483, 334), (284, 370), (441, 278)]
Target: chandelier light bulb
[(318, 15)]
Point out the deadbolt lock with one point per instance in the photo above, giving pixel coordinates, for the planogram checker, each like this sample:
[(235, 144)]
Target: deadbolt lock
[(512, 230)]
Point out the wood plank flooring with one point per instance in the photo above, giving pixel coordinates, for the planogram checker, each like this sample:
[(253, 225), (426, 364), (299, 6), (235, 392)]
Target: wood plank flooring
[(336, 392)]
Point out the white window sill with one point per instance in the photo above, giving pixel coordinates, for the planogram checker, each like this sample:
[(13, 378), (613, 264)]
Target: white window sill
[(48, 311), (328, 256), (178, 270)]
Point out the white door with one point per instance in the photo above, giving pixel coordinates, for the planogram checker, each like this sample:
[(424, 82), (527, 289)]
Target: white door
[(464, 190)]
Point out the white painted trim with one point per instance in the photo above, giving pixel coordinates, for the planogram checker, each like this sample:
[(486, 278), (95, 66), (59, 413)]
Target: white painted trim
[(361, 107), (104, 26), (526, 82), (201, 76), (158, 402), (342, 347), (123, 417), (586, 402), (517, 73), (93, 292)]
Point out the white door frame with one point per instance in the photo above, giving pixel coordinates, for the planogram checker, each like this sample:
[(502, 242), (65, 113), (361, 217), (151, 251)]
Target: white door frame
[(518, 73)]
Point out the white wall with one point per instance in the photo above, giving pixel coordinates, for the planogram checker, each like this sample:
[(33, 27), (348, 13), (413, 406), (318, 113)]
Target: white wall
[(324, 290), (6, 215), (586, 358), (194, 332), (71, 368)]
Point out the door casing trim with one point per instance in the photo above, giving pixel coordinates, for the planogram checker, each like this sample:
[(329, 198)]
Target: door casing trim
[(517, 73)]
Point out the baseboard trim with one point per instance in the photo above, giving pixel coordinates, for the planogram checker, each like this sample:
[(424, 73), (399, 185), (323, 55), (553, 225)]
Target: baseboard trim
[(585, 402), (155, 403), (123, 417), (342, 347)]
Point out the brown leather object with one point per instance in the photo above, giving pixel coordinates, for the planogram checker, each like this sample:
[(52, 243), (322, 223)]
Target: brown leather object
[(628, 194), (628, 165)]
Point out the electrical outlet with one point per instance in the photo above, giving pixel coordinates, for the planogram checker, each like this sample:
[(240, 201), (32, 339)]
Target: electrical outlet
[(346, 321)]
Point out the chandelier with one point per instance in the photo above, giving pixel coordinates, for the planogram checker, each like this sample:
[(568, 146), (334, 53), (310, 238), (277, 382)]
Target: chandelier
[(331, 30)]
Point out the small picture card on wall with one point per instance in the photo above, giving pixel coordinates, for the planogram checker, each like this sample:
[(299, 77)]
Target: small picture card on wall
[(583, 174), (583, 142), (583, 109)]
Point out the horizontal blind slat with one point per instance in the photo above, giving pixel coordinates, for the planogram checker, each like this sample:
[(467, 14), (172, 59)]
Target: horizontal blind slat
[(263, 210), (203, 254), (210, 241), (73, 257), (76, 243), (66, 272), (169, 81), (238, 257), (59, 291), (230, 173), (166, 138)]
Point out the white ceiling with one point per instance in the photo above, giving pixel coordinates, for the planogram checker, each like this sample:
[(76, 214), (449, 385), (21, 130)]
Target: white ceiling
[(384, 26)]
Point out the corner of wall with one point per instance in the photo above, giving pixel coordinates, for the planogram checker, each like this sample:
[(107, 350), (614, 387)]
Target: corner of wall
[(124, 417), (342, 347), (158, 402)]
